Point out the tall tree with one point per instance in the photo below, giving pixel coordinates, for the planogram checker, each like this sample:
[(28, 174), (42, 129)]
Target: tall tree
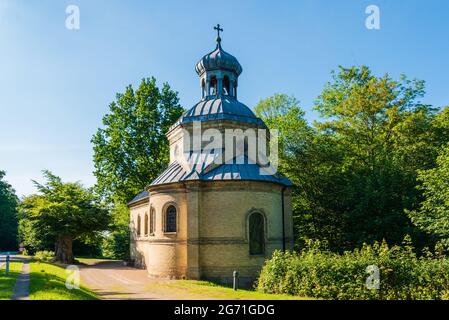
[(355, 170), (310, 160), (8, 215), (384, 134), (283, 113), (131, 150), (432, 215), (307, 159), (66, 211)]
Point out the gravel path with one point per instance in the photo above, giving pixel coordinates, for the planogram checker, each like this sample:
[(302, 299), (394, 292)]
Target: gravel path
[(22, 287), (114, 280)]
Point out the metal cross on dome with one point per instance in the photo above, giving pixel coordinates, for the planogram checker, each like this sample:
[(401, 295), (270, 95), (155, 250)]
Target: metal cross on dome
[(218, 30), (218, 33)]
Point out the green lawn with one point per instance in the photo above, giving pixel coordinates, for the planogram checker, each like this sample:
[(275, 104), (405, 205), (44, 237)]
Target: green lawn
[(215, 291), (89, 260), (47, 282), (8, 281)]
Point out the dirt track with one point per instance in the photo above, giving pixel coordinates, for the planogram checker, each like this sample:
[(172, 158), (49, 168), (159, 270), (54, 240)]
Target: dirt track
[(114, 280)]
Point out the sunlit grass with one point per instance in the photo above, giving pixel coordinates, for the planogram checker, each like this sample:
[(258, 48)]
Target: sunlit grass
[(88, 260), (8, 281), (215, 291), (47, 282)]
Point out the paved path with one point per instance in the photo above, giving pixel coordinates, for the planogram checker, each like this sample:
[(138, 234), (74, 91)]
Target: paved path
[(114, 280), (22, 287)]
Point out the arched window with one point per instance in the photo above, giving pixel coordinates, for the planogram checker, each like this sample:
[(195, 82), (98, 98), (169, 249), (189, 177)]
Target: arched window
[(170, 219), (226, 86), (146, 224), (152, 221), (256, 234), (213, 86), (138, 225)]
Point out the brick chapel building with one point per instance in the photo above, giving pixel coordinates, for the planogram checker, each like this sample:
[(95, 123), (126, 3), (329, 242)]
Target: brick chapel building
[(202, 218)]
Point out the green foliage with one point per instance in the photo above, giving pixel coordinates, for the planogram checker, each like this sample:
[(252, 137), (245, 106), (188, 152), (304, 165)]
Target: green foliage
[(8, 216), (88, 247), (355, 172), (283, 113), (433, 213), (382, 131), (65, 208), (319, 273), (116, 242), (44, 256), (64, 212), (131, 150), (116, 245), (34, 238)]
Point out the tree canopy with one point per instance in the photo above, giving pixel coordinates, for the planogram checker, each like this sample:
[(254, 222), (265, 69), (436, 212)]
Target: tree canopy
[(65, 211), (433, 213), (8, 215), (355, 170), (131, 150)]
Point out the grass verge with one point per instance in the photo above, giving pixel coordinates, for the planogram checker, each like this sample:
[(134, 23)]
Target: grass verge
[(215, 291), (89, 260), (47, 282), (8, 281)]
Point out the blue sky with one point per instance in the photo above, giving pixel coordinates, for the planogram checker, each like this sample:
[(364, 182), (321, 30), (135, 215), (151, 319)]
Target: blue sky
[(56, 84)]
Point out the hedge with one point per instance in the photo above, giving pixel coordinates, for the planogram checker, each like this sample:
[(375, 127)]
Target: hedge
[(317, 272)]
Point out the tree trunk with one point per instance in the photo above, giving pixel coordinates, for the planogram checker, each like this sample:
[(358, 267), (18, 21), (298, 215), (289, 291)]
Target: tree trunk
[(63, 250)]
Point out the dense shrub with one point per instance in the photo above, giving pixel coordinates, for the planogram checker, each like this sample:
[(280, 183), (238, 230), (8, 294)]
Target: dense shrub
[(44, 256), (317, 272)]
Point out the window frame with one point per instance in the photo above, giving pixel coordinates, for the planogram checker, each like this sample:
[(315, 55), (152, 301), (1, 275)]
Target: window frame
[(165, 224), (264, 233), (226, 85), (146, 225), (139, 225), (152, 227)]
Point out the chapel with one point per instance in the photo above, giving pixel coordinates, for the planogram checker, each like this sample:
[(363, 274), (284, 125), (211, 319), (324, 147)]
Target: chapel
[(215, 209)]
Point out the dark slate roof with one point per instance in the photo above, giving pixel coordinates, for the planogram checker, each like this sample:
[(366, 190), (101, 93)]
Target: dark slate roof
[(225, 172), (141, 196), (220, 108), (218, 60)]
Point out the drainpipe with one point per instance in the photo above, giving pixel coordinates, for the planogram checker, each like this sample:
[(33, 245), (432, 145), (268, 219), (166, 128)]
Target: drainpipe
[(283, 218)]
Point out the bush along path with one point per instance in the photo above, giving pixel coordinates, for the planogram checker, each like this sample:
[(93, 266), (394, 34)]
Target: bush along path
[(373, 272), (22, 287)]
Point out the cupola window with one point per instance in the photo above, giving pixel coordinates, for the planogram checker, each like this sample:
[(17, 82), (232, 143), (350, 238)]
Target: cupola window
[(203, 88), (226, 86), (213, 86)]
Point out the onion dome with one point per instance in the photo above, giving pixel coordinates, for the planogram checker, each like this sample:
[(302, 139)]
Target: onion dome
[(218, 60)]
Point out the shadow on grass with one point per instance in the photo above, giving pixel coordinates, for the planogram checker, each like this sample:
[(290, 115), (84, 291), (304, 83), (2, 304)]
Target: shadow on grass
[(48, 282)]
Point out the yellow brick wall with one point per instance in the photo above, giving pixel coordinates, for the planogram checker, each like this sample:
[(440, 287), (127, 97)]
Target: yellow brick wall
[(212, 236)]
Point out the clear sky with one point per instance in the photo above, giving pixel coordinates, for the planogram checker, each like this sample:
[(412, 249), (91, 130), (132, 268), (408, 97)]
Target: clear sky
[(56, 84)]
